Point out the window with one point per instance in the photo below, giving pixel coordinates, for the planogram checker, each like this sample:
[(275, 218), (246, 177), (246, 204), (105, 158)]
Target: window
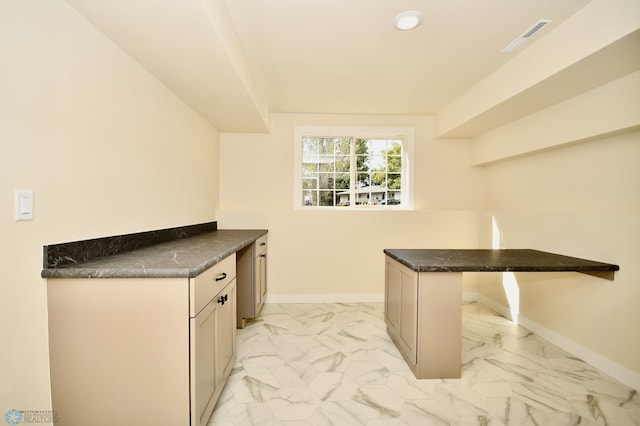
[(348, 168)]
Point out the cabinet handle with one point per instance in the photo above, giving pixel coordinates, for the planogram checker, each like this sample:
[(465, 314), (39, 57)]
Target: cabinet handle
[(221, 277), (263, 244), (263, 255), (223, 299)]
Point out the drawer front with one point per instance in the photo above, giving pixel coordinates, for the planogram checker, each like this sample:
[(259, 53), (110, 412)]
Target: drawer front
[(261, 245), (209, 283)]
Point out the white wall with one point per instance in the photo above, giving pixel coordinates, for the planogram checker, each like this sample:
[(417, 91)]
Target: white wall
[(106, 149), (337, 255)]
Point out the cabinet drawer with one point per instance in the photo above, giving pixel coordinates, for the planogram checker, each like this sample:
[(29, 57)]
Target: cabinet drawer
[(209, 283), (261, 245)]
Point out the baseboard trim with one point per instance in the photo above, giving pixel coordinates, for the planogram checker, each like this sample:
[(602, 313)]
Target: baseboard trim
[(326, 298), (607, 366)]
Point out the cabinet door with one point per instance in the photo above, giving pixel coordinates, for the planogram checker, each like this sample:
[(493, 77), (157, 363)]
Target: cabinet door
[(204, 385), (392, 297), (225, 333), (260, 271), (401, 307), (408, 337)]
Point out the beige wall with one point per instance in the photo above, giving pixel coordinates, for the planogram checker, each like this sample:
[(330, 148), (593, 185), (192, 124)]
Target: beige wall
[(337, 255), (562, 175), (106, 149), (604, 110), (580, 200)]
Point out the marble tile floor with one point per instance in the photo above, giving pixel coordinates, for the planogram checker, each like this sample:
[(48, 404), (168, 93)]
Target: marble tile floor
[(333, 364)]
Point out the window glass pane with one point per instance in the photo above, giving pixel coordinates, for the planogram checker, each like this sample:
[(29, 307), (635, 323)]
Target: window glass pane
[(377, 162), (309, 183), (363, 180), (327, 178), (309, 147), (378, 177), (310, 198), (362, 166), (377, 198), (343, 163), (342, 146), (394, 148), (343, 198), (326, 163), (325, 181), (361, 147), (376, 146), (394, 181), (309, 168), (325, 146), (362, 198), (326, 198), (394, 157), (342, 181)]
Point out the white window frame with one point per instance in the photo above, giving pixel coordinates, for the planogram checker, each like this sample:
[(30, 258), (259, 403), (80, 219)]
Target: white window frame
[(407, 134)]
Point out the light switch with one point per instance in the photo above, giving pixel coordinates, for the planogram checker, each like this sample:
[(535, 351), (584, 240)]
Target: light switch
[(24, 204)]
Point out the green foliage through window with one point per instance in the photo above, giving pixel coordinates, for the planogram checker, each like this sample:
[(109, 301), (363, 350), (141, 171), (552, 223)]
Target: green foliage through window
[(348, 171)]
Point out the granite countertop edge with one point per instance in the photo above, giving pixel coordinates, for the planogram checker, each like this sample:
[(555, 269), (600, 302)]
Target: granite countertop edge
[(493, 260), (180, 258)]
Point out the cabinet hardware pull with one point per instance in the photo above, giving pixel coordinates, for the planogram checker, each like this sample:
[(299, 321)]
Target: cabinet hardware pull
[(263, 255), (263, 244), (221, 277), (223, 299)]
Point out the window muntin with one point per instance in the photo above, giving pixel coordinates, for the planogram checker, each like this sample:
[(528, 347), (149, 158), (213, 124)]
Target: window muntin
[(350, 171)]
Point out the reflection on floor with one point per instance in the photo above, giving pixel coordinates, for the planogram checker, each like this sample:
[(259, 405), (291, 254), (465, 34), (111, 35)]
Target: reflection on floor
[(333, 364)]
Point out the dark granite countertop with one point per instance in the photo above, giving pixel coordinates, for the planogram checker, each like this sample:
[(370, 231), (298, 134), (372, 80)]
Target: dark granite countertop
[(186, 257), (487, 260)]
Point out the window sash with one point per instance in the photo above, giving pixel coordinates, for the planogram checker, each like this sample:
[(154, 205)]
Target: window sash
[(324, 163)]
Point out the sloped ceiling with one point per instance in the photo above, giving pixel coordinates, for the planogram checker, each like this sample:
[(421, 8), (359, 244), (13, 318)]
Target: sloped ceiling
[(235, 60), (191, 46)]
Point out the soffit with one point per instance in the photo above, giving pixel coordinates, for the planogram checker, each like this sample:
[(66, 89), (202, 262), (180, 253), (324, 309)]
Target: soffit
[(317, 56)]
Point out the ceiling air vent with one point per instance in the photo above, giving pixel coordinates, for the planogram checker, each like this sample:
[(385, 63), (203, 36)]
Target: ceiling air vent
[(526, 35)]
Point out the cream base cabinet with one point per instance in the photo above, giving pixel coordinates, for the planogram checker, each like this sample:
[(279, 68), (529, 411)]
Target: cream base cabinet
[(140, 351), (423, 315), (401, 308), (212, 352), (252, 279)]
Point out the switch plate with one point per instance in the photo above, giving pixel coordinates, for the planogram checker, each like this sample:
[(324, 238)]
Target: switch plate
[(24, 204)]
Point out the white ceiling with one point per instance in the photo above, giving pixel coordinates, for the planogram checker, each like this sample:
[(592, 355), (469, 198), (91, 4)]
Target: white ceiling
[(231, 60), (344, 55)]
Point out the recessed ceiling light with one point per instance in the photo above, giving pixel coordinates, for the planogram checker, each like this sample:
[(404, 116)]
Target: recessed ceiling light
[(407, 20)]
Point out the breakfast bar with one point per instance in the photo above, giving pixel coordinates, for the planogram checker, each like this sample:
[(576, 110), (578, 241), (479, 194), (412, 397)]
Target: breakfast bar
[(423, 295)]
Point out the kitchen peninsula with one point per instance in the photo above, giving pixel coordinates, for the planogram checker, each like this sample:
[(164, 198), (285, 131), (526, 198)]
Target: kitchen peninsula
[(142, 326), (423, 296)]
